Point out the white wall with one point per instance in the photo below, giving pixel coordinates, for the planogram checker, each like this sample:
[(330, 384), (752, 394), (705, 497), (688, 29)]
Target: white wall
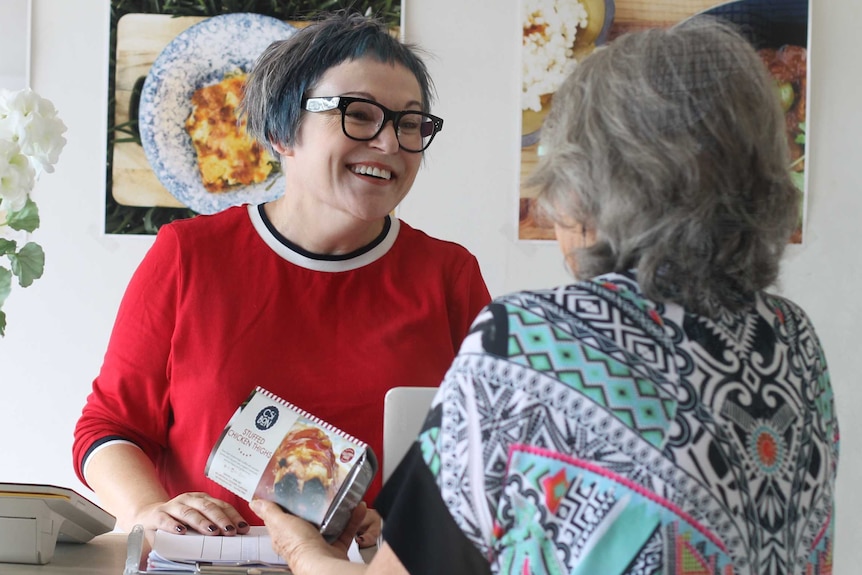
[(467, 191), (14, 43)]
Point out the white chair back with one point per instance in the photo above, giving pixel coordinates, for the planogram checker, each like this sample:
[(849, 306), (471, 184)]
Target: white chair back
[(404, 411)]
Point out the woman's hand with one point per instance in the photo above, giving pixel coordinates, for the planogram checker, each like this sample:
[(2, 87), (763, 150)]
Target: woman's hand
[(300, 543), (369, 530), (128, 486), (196, 511)]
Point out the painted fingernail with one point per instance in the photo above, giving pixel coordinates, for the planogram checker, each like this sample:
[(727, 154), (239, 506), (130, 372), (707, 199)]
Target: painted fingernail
[(228, 527), (212, 528), (242, 524), (179, 528)]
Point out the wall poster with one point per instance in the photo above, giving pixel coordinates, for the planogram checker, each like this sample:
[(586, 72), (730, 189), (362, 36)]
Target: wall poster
[(777, 28), (161, 53)]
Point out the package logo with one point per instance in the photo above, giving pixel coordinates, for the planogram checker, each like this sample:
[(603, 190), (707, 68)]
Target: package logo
[(266, 418)]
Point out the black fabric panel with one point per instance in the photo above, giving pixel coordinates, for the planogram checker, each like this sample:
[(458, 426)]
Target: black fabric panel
[(433, 419), (495, 332), (418, 526)]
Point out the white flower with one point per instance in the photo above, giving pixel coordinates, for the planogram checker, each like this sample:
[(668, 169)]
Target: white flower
[(17, 177), (31, 139), (31, 121)]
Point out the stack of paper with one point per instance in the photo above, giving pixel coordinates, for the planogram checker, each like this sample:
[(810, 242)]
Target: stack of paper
[(175, 552)]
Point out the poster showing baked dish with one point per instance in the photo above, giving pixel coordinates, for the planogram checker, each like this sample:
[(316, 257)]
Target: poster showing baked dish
[(271, 449), (557, 34), (175, 146)]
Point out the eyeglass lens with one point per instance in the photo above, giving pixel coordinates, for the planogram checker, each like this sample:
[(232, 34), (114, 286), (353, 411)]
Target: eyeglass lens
[(363, 121)]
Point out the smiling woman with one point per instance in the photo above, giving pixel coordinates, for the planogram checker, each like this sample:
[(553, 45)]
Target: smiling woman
[(320, 296)]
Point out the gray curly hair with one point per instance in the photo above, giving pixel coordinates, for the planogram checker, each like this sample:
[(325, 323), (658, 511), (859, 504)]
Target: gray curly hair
[(671, 145)]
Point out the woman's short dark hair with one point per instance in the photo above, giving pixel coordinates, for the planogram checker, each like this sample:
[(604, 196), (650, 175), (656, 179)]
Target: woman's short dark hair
[(671, 144), (288, 69)]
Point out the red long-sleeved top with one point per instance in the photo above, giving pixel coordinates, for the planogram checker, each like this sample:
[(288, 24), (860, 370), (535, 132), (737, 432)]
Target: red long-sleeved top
[(221, 304)]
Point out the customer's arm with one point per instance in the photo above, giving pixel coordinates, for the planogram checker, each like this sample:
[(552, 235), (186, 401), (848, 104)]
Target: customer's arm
[(125, 480)]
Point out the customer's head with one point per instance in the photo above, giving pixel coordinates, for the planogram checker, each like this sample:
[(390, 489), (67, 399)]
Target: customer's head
[(670, 144), (288, 69)]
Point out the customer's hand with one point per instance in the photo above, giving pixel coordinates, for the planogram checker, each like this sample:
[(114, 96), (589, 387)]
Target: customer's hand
[(369, 530), (299, 542), (193, 511)]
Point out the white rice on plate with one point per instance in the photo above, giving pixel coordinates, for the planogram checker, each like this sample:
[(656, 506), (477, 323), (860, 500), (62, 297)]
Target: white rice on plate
[(550, 29)]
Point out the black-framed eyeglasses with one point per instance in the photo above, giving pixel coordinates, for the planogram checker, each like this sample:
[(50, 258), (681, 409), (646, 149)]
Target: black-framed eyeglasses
[(363, 120)]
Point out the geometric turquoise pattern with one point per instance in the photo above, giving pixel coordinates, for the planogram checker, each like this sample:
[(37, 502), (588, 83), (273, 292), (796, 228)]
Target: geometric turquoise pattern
[(738, 411), (428, 445), (623, 533), (637, 402)]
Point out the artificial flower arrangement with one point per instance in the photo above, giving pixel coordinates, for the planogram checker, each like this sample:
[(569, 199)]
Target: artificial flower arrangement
[(31, 139)]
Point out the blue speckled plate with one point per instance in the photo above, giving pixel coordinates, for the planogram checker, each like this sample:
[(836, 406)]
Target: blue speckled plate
[(199, 56)]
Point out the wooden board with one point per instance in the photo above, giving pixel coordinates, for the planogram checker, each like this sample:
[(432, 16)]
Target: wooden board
[(140, 39)]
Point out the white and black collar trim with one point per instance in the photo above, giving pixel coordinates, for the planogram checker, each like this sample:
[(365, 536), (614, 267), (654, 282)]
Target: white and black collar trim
[(319, 262)]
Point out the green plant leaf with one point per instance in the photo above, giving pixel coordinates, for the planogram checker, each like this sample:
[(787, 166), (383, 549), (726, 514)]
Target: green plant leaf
[(5, 288), (798, 179), (26, 219), (5, 284), (7, 246), (28, 264)]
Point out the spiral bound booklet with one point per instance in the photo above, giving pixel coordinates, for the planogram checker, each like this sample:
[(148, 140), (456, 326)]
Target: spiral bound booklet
[(271, 449)]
